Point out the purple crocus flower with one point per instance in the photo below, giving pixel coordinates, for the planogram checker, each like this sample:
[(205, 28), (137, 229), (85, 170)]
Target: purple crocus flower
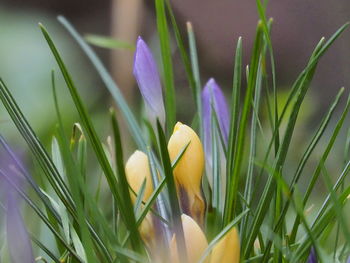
[(147, 77), (213, 98), (19, 244), (18, 241), (312, 257)]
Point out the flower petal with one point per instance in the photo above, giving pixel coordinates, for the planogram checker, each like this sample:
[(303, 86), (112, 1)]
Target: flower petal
[(312, 257), (147, 77), (195, 241), (189, 170), (227, 250), (19, 244), (213, 97)]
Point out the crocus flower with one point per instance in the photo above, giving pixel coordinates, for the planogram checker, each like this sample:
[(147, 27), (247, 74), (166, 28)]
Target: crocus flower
[(137, 170), (195, 241), (213, 98), (19, 244), (147, 77), (227, 250), (188, 171), (312, 257)]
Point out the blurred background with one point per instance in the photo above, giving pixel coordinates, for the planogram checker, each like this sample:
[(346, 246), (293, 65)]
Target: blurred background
[(26, 61)]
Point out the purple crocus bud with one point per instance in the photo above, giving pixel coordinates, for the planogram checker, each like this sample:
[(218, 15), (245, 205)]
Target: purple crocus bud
[(147, 77), (312, 257), (19, 244), (213, 98), (18, 241)]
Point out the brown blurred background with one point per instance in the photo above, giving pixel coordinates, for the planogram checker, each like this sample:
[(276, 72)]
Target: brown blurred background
[(298, 26)]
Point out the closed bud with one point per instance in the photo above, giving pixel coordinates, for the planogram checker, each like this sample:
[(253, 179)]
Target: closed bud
[(195, 241), (137, 170), (227, 250), (189, 170)]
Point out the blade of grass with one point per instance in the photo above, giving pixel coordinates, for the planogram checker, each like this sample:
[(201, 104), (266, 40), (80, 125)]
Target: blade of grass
[(108, 42), (196, 75), (97, 238), (301, 85), (233, 179), (266, 29), (164, 38), (174, 203), (35, 145), (324, 157), (309, 150), (184, 56), (123, 184), (235, 108), (126, 211), (112, 87), (252, 150)]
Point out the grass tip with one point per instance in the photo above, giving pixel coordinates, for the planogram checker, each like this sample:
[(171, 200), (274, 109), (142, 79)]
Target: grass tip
[(189, 26)]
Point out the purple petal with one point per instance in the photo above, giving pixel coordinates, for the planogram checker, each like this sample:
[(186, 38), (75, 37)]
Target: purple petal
[(19, 244), (11, 180), (312, 257), (213, 97), (147, 77)]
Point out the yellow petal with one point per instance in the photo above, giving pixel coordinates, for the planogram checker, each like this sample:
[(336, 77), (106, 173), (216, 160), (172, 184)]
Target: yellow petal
[(189, 170), (146, 230), (137, 170), (227, 250), (195, 241)]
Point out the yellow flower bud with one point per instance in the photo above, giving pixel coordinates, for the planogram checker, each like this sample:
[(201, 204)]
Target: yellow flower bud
[(227, 250), (195, 241), (189, 170), (137, 170), (147, 230)]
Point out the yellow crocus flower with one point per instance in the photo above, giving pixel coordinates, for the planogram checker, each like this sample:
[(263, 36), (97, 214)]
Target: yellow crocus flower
[(227, 250), (195, 241), (137, 170), (189, 170)]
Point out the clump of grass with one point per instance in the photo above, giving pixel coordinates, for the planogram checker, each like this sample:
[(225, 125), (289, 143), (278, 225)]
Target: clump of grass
[(160, 207)]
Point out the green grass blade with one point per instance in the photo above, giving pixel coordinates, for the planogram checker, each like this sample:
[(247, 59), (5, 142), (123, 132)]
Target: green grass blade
[(324, 157), (266, 30), (309, 150), (233, 179), (124, 186), (180, 43), (235, 108), (196, 75), (174, 203), (108, 42), (35, 145), (94, 234), (252, 151), (301, 85), (94, 140), (164, 38), (112, 87)]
